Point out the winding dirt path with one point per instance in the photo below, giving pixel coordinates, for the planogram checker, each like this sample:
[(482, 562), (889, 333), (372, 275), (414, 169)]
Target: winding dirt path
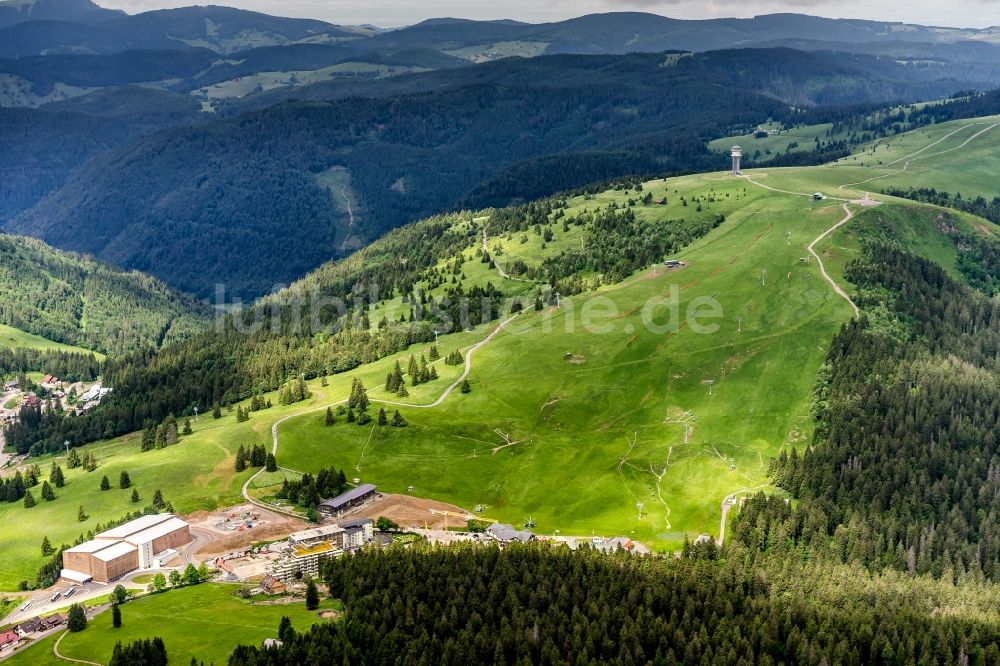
[(59, 655), (848, 216), (444, 395), (912, 157)]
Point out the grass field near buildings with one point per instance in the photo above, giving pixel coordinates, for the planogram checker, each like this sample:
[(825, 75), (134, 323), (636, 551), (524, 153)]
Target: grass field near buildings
[(574, 399), (196, 474), (13, 338), (203, 621)]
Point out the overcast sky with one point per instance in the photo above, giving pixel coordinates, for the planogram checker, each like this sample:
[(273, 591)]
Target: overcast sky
[(961, 13)]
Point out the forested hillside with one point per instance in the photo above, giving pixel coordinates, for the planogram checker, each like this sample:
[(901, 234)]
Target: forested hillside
[(903, 470), (40, 148), (206, 204), (543, 604), (78, 301)]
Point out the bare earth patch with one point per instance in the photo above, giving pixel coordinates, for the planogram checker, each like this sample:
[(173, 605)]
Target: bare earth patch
[(408, 511)]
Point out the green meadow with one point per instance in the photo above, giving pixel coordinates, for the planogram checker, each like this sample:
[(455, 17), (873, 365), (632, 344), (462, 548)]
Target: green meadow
[(204, 622), (619, 420), (616, 413), (14, 338)]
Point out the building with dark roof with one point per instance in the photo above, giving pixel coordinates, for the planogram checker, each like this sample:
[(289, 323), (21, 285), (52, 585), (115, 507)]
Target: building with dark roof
[(504, 533), (352, 498)]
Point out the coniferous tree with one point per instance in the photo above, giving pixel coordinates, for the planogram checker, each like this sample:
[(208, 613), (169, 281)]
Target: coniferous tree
[(312, 595), (216, 410), (47, 493), (241, 459), (271, 464), (29, 499), (47, 548), (329, 420), (116, 615), (398, 421), (105, 484), (149, 438), (56, 476), (135, 496), (124, 482), (77, 618), (383, 419), (285, 630)]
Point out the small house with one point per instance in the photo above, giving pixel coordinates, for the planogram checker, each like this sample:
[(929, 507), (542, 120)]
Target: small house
[(9, 639), (504, 533), (12, 385), (52, 621), (271, 585), (29, 627)]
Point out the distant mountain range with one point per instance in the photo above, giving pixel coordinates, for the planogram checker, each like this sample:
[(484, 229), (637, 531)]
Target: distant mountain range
[(261, 197), (43, 27), (189, 143)]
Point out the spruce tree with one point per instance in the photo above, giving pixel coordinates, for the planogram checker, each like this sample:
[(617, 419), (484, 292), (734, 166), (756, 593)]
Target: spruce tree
[(116, 615), (465, 387), (187, 427), (29, 499), (47, 549), (216, 411), (329, 417), (105, 484), (398, 421), (149, 438), (272, 463), (135, 496), (47, 493), (312, 595), (383, 419), (56, 476), (77, 618)]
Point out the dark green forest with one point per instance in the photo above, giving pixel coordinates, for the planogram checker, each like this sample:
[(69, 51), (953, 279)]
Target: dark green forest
[(543, 604), (204, 204), (904, 467), (41, 148), (78, 301)]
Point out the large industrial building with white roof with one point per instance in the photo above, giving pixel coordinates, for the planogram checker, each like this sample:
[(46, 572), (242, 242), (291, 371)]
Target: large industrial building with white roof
[(143, 543)]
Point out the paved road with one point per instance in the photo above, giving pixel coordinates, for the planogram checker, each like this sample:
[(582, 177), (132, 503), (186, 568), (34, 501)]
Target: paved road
[(728, 503)]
